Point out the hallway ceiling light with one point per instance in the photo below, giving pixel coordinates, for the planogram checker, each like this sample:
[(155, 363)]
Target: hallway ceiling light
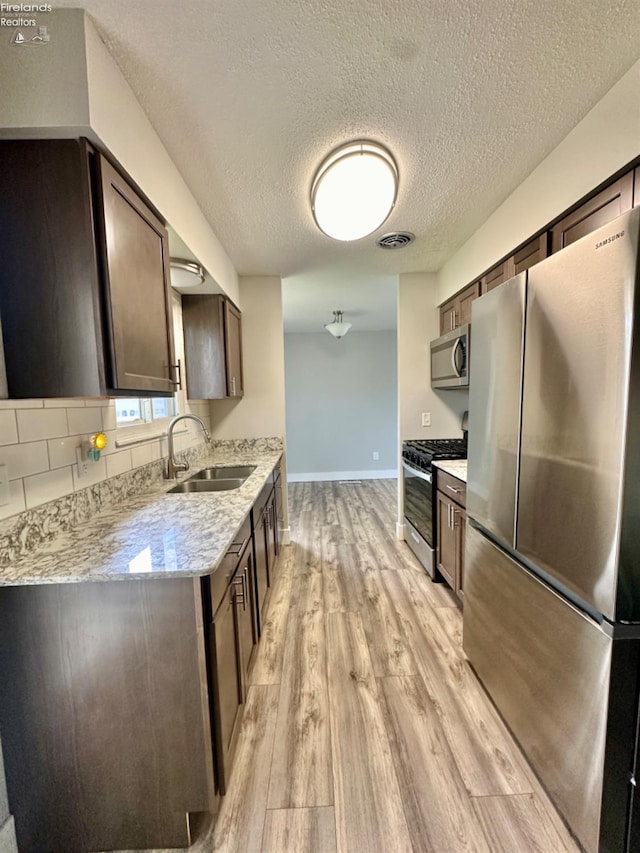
[(185, 273), (354, 190), (338, 328)]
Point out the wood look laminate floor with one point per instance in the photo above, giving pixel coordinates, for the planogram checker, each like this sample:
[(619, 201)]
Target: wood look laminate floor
[(365, 730)]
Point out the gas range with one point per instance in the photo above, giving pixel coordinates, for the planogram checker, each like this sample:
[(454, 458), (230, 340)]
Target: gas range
[(420, 454)]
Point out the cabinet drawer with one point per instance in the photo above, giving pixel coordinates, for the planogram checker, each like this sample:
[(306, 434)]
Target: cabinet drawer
[(451, 486), (261, 500), (219, 580)]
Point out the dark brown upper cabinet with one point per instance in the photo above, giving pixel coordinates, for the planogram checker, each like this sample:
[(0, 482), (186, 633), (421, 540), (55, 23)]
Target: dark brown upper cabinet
[(84, 288), (598, 210), (457, 311), (497, 275), (528, 255), (212, 346)]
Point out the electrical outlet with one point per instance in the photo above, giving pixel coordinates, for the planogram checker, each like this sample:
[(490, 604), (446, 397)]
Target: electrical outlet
[(376, 456), (426, 419), (5, 494), (83, 462)]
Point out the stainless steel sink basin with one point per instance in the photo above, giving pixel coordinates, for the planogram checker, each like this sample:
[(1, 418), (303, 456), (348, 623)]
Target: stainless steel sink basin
[(219, 472), (206, 485)]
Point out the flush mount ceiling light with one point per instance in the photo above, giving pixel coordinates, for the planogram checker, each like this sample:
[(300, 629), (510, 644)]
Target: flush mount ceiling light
[(185, 273), (354, 190), (338, 328)]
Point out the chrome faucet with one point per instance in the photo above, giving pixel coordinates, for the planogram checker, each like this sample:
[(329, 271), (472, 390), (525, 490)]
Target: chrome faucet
[(172, 466)]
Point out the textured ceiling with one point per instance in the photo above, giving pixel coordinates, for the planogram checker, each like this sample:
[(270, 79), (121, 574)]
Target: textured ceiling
[(249, 96)]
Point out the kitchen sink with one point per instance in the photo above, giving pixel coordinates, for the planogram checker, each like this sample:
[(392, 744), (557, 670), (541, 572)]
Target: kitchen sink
[(194, 485), (240, 472)]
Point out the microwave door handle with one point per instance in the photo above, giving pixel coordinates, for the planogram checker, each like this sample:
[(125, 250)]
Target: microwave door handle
[(454, 358)]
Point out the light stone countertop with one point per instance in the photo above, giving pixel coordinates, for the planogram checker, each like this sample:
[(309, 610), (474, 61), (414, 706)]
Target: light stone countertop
[(455, 467), (151, 534)]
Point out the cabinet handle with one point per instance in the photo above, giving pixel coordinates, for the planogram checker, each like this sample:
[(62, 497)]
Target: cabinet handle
[(240, 598), (451, 489), (233, 386), (178, 369)]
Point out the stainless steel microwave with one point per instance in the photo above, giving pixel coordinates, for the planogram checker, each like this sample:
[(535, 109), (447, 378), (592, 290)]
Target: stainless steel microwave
[(450, 359)]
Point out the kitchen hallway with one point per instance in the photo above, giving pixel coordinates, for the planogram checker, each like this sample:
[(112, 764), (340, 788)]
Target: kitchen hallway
[(365, 729)]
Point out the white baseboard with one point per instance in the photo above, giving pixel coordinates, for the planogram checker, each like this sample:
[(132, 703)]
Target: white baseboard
[(400, 531), (342, 475)]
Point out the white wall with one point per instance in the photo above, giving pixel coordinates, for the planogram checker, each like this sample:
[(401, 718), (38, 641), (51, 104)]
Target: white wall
[(602, 143), (260, 412), (72, 87), (341, 405), (418, 324)]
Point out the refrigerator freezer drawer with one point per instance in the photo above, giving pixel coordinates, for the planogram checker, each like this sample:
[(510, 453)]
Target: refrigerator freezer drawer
[(547, 668)]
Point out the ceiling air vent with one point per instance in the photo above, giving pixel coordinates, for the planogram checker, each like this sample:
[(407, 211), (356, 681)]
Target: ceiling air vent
[(396, 240)]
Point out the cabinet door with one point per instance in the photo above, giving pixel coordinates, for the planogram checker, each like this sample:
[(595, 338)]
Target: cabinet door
[(636, 187), (225, 685), (447, 545), (261, 567), (271, 527), (135, 259), (243, 603), (500, 273), (447, 317), (602, 208), (534, 251), (278, 510), (233, 344), (460, 523), (464, 300), (204, 346)]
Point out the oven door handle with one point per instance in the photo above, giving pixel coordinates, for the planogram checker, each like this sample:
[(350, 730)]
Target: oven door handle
[(415, 473)]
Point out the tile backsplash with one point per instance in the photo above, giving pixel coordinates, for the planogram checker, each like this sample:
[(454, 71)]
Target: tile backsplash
[(38, 441)]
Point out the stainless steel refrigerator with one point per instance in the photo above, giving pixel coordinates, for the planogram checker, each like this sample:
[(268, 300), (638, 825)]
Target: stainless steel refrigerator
[(552, 590)]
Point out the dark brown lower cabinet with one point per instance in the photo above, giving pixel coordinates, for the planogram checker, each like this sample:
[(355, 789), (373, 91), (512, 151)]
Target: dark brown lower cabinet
[(104, 714), (229, 655), (451, 520)]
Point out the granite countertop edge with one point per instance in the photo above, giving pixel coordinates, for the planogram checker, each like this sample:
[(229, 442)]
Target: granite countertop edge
[(151, 534), (455, 467)]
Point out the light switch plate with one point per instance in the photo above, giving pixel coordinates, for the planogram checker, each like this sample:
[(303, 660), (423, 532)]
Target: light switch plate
[(426, 419)]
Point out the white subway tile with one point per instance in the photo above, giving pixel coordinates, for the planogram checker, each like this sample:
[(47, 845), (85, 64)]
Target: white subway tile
[(111, 442), (25, 459), (96, 472), (84, 420), (16, 500), (21, 404), (62, 451), (109, 418), (8, 427), (47, 487), (63, 403), (44, 423), (118, 463), (141, 455), (98, 402)]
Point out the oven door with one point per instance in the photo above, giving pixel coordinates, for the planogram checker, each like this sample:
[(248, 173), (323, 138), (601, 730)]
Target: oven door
[(418, 514)]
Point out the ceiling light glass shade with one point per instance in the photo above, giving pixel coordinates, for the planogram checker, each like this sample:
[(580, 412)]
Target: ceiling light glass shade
[(354, 190), (338, 328), (185, 273)]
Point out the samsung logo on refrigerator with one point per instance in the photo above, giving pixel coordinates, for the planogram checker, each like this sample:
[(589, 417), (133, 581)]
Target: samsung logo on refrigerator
[(609, 239)]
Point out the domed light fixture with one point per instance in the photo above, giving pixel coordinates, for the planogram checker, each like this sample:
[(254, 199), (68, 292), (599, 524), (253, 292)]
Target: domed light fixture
[(354, 190), (185, 273), (338, 328)]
